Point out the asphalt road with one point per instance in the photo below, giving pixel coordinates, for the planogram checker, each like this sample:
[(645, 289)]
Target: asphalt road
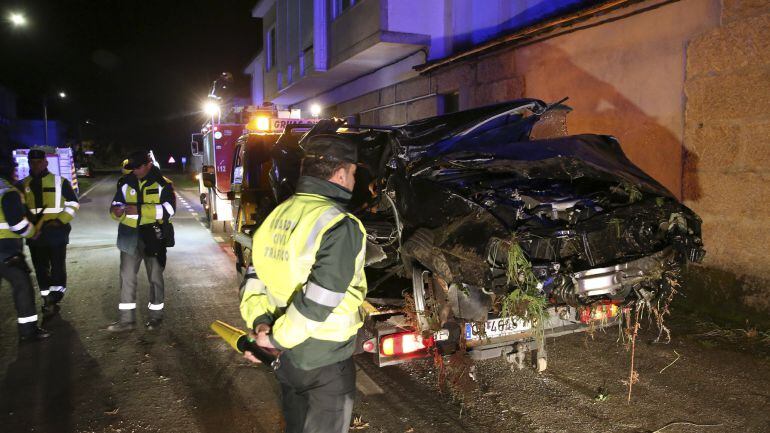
[(182, 378)]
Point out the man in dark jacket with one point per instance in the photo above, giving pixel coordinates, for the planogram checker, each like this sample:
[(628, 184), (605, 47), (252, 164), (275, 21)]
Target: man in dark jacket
[(143, 203), (14, 226), (53, 204)]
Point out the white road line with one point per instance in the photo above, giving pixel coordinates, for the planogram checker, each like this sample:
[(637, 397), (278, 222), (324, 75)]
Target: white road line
[(92, 187)]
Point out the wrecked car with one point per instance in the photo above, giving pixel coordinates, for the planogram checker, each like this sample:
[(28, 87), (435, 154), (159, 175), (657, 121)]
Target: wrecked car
[(490, 229)]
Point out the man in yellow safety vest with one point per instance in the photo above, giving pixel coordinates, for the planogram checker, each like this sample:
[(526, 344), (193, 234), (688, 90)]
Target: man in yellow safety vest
[(14, 226), (53, 204), (143, 204), (304, 293)]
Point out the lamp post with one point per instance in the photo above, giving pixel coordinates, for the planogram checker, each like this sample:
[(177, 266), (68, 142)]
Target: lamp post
[(62, 95)]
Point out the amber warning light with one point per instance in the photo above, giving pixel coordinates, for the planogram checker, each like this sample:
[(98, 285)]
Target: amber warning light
[(259, 123)]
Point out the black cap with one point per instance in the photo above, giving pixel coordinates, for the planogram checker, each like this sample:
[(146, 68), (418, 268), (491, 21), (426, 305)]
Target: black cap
[(36, 154), (137, 159), (332, 147)]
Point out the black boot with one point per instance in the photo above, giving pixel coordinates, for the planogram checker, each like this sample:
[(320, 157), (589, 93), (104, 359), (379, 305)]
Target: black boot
[(153, 324), (121, 326), (50, 307), (36, 334)]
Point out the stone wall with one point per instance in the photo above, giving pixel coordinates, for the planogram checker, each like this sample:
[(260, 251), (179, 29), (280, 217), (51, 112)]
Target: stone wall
[(727, 139)]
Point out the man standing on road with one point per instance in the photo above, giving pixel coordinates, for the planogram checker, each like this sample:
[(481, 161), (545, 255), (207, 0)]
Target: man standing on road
[(143, 204), (308, 285), (53, 204), (14, 226)]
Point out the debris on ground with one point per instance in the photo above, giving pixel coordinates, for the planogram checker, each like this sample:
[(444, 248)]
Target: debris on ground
[(685, 423), (359, 424), (672, 362)]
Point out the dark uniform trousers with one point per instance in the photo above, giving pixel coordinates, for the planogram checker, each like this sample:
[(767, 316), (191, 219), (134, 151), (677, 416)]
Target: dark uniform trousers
[(50, 267), (318, 400), (17, 274), (129, 268)]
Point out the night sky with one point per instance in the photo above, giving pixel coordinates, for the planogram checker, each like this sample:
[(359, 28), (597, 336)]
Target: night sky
[(137, 70)]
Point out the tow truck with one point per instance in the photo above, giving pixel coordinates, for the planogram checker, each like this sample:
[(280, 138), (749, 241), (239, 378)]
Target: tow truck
[(220, 149)]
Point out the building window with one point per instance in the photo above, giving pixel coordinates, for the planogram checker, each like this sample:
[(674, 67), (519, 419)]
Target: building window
[(302, 64), (340, 6), (279, 77), (449, 103), (290, 74), (305, 60), (270, 49)]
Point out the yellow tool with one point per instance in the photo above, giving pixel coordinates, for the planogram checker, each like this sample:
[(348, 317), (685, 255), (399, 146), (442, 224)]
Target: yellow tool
[(229, 333), (240, 341)]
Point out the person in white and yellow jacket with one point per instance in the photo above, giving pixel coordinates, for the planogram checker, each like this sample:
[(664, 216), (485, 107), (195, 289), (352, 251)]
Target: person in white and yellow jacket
[(14, 226), (53, 204), (304, 294), (143, 202)]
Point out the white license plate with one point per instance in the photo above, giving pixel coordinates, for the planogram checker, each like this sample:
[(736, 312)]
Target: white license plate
[(496, 328)]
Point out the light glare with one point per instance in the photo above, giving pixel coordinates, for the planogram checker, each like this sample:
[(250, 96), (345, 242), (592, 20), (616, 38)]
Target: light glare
[(17, 19), (211, 108), (315, 110), (263, 123)]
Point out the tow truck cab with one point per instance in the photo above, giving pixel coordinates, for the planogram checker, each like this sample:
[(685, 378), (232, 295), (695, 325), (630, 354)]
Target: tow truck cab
[(255, 187)]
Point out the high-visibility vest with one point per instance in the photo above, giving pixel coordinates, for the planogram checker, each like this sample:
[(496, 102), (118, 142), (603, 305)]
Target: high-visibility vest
[(151, 209), (54, 205), (6, 230), (284, 252)]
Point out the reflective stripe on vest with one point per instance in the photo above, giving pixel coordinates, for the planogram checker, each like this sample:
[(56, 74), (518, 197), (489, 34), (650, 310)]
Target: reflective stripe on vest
[(285, 246), (7, 230), (53, 202), (151, 196)]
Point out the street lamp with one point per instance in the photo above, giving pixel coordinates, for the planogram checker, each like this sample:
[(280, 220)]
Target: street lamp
[(62, 95), (211, 108), (17, 19)]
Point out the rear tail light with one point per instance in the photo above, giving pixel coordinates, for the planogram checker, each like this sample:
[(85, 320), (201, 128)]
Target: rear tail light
[(599, 311), (370, 345), (403, 343)]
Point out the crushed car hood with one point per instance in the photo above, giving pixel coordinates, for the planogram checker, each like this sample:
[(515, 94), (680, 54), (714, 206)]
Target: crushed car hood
[(597, 157)]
